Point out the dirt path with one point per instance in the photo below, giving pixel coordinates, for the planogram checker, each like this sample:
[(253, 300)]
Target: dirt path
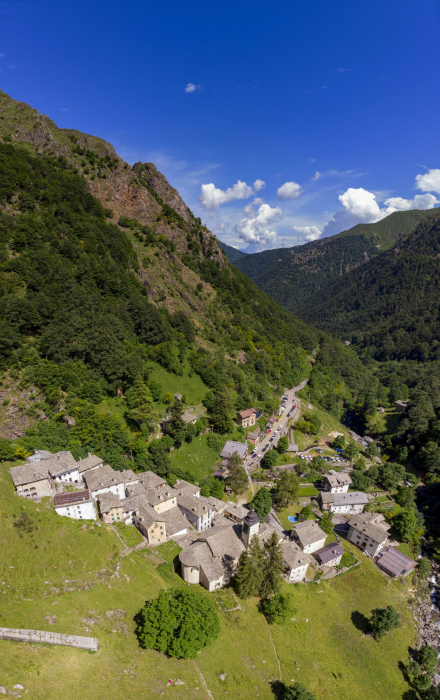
[(275, 652), (203, 681)]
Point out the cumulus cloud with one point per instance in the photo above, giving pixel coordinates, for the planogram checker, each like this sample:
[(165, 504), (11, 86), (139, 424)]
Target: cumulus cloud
[(317, 175), (258, 185), (254, 228), (290, 190), (362, 204), (312, 233), (192, 88), (429, 182), (211, 196), (420, 201)]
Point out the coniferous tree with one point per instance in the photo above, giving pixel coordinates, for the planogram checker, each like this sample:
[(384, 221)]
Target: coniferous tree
[(272, 567), (140, 403), (176, 426), (221, 411), (262, 503), (237, 478), (384, 620), (250, 570)]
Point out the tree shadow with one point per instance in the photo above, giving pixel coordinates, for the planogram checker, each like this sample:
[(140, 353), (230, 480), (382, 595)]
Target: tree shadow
[(277, 688), (409, 695), (360, 622), (402, 668)]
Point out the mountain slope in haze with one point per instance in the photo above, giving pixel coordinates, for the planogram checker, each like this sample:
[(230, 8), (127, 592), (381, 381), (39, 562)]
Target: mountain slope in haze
[(292, 275), (103, 267), (232, 253), (390, 306)]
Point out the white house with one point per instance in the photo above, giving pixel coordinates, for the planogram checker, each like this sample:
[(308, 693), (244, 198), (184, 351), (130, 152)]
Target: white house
[(335, 482), (353, 502), (78, 505), (309, 536), (104, 479), (198, 510), (63, 467), (369, 532), (295, 562)]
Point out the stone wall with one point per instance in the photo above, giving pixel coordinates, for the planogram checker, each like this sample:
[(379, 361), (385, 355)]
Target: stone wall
[(68, 640)]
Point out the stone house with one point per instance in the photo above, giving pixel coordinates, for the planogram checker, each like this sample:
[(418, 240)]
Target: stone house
[(104, 479), (295, 562), (246, 418), (235, 511), (111, 507), (63, 467), (330, 555), (309, 536), (31, 480), (78, 505), (88, 463), (184, 488), (150, 524), (335, 482), (198, 510), (401, 406), (352, 503), (162, 499), (368, 532), (254, 438)]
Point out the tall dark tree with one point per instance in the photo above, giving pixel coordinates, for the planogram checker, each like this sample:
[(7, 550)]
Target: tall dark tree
[(272, 567), (250, 570), (140, 403), (384, 620), (176, 426), (221, 411), (297, 691), (237, 478), (262, 503)]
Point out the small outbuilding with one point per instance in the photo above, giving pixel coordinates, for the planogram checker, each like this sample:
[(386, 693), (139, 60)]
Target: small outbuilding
[(330, 555), (394, 562)]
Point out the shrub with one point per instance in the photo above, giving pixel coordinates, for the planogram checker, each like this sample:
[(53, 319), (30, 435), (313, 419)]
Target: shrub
[(279, 608)]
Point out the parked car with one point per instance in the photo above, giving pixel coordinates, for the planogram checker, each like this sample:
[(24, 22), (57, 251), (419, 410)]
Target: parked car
[(327, 442)]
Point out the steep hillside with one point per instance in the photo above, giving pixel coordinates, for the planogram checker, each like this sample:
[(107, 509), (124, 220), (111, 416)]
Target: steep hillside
[(103, 270), (232, 253), (391, 305), (291, 276)]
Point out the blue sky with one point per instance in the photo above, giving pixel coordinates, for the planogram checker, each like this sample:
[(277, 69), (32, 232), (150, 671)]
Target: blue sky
[(332, 104)]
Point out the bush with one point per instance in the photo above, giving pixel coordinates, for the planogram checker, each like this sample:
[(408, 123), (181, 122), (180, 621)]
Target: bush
[(384, 620), (179, 623), (306, 514), (297, 691), (270, 459), (215, 442)]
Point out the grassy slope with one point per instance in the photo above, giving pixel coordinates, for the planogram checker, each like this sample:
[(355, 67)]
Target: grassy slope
[(324, 647)]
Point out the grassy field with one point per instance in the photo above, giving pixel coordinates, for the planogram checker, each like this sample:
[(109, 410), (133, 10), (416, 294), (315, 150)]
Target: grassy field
[(196, 457), (192, 387), (129, 534), (94, 591)]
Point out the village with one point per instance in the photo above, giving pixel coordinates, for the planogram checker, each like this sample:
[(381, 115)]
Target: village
[(213, 533)]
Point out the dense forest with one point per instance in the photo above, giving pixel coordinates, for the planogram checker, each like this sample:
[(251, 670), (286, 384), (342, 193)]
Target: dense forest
[(293, 275)]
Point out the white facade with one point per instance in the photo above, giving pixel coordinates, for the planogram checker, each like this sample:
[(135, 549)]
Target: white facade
[(70, 476), (310, 548), (117, 489), (347, 508), (79, 511), (297, 574)]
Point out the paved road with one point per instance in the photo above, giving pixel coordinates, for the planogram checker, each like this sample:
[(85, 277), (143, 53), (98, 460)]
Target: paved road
[(250, 463)]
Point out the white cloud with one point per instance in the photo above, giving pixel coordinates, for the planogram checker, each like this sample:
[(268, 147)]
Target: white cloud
[(290, 190), (192, 88), (258, 185), (316, 176), (420, 201), (63, 109), (344, 70), (312, 233), (254, 227), (2, 55), (211, 196), (362, 204), (429, 182)]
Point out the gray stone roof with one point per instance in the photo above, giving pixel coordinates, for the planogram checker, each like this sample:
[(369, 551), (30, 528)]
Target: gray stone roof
[(353, 498), (273, 520), (199, 554), (135, 490), (174, 520), (198, 506), (308, 532), (129, 476), (185, 488), (217, 504), (223, 542), (336, 479), (102, 477), (60, 463), (29, 473), (38, 456), (265, 532), (236, 510), (160, 495), (150, 480), (109, 500), (89, 463), (369, 525), (293, 556), (147, 515)]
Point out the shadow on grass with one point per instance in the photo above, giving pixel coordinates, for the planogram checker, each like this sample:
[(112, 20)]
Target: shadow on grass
[(278, 689), (360, 622)]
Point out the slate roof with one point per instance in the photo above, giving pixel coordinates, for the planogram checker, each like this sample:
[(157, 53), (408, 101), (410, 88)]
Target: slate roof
[(39, 455), (217, 504), (236, 510), (336, 479), (366, 525), (232, 446), (102, 477), (109, 500), (129, 476), (71, 499), (60, 463), (174, 520), (199, 554), (293, 556), (329, 552), (223, 542), (29, 473), (394, 562), (273, 520), (148, 516), (353, 498), (150, 480), (308, 532), (89, 463), (198, 506), (164, 493), (185, 488), (265, 532)]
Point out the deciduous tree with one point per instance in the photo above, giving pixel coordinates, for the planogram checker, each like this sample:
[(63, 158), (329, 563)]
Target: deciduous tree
[(262, 503), (286, 491), (384, 620)]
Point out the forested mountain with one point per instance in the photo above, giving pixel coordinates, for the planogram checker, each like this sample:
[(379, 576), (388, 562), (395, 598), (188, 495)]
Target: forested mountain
[(232, 253), (390, 306), (103, 267), (292, 275)]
